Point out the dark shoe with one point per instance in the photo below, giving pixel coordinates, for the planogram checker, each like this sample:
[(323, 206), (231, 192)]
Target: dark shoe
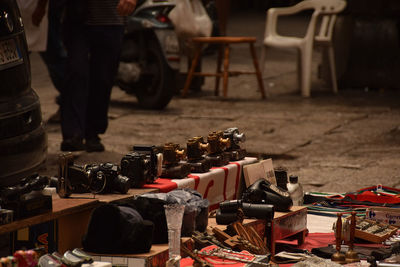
[(72, 144), (93, 144), (55, 118)]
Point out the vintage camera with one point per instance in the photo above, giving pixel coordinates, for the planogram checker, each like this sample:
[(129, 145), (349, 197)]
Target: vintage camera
[(31, 183), (234, 150), (142, 166), (173, 166), (93, 178), (26, 198), (106, 178), (218, 145), (195, 153)]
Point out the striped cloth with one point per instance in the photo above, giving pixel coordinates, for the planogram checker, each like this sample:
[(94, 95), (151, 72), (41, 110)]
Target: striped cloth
[(103, 12)]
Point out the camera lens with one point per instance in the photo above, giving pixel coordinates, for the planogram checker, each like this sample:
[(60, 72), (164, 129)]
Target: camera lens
[(121, 184)]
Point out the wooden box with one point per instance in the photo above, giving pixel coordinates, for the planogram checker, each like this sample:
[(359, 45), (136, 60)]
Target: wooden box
[(285, 224)]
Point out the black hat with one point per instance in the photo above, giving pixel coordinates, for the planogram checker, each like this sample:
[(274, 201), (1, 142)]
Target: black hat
[(117, 229)]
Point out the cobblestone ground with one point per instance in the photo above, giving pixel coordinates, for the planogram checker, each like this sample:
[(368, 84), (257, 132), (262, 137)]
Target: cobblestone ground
[(335, 143)]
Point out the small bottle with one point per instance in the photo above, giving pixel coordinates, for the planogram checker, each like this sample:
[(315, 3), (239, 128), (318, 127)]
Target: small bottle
[(295, 190)]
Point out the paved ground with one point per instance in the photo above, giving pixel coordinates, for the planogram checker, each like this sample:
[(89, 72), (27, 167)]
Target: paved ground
[(335, 143)]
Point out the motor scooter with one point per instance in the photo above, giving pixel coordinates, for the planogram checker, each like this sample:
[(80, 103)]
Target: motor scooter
[(150, 57)]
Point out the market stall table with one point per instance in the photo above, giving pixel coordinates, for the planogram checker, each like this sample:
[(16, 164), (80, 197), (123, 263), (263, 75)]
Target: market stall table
[(71, 216)]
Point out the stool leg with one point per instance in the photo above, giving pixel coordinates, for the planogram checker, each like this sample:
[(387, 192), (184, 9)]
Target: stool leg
[(226, 69), (218, 76), (258, 73), (191, 71)]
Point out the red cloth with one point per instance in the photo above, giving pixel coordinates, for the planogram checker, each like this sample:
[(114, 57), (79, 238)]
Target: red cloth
[(215, 260), (164, 185), (216, 185), (375, 198), (312, 240)]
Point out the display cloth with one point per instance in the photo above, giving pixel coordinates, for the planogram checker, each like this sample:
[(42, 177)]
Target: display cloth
[(313, 240), (216, 185), (231, 258), (358, 201)]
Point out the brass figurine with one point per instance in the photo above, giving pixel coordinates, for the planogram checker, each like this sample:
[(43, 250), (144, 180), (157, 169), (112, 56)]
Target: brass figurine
[(173, 166), (196, 149), (218, 145)]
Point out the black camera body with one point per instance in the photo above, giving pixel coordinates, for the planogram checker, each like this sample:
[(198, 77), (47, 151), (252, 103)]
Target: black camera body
[(141, 166), (106, 178), (94, 178), (26, 199), (34, 182)]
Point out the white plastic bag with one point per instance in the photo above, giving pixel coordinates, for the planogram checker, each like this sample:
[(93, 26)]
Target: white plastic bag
[(190, 19)]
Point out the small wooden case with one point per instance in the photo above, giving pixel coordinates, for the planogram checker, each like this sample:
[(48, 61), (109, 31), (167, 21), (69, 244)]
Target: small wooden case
[(373, 231)]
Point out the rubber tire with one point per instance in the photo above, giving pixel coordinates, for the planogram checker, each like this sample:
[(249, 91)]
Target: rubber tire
[(156, 91)]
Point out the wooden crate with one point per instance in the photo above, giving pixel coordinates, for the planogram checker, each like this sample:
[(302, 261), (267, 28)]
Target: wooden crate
[(285, 224)]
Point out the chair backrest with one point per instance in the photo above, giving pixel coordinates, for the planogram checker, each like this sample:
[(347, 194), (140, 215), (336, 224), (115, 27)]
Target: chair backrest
[(328, 9), (324, 9), (324, 6)]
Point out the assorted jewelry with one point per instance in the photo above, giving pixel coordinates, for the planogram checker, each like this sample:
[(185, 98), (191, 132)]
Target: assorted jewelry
[(393, 240), (372, 227)]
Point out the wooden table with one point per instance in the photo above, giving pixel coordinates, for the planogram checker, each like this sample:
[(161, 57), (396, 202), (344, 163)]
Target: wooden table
[(71, 215), (157, 256), (72, 227)]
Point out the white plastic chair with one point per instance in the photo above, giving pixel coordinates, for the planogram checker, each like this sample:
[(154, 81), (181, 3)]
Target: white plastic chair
[(324, 11)]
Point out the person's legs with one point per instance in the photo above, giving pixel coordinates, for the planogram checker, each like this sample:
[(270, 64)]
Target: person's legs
[(76, 91), (104, 59), (55, 55)]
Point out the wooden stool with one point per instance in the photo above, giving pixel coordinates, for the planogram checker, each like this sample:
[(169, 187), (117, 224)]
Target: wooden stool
[(224, 41)]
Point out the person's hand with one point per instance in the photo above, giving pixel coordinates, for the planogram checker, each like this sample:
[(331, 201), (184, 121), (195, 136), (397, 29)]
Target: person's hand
[(126, 7)]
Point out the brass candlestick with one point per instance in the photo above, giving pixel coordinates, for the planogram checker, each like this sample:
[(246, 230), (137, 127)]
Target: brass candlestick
[(338, 256), (351, 255)]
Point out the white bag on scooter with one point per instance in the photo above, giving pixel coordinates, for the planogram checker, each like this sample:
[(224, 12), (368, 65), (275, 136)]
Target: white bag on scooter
[(190, 19)]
